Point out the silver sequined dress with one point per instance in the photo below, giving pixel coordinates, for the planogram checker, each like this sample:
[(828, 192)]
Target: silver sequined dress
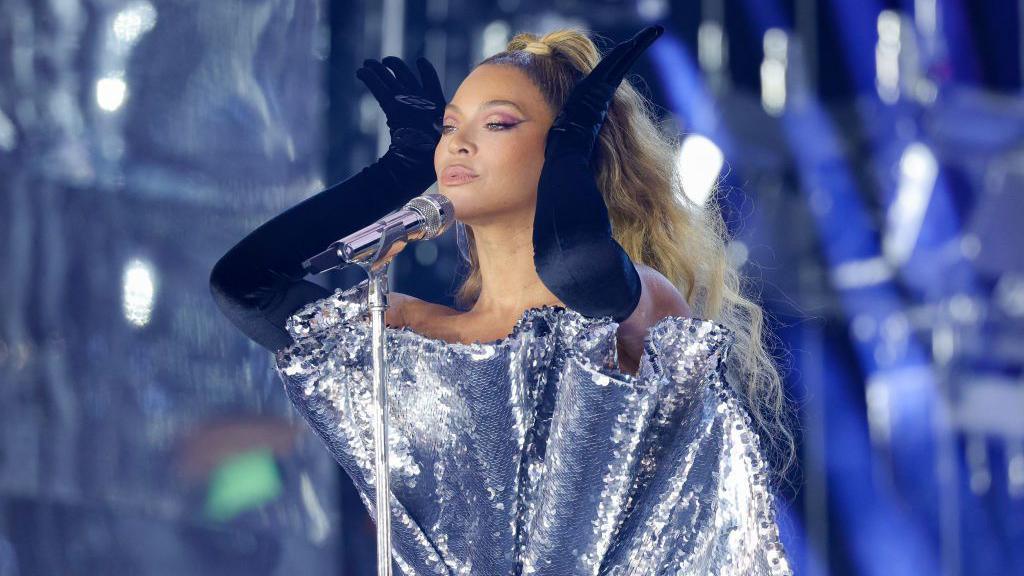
[(533, 454)]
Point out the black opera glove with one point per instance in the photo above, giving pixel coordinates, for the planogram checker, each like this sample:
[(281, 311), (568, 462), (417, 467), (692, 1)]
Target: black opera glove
[(260, 282), (575, 254), (414, 111)]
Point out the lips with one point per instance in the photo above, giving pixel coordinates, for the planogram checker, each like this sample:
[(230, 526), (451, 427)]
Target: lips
[(458, 174)]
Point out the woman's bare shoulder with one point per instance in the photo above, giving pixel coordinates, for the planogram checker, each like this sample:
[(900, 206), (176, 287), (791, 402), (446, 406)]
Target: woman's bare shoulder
[(667, 300), (408, 310), (659, 298)]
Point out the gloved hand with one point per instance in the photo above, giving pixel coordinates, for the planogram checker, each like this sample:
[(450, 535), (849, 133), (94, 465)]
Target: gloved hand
[(574, 252), (414, 111)]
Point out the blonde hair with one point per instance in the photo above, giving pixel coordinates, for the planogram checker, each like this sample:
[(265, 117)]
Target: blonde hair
[(658, 225)]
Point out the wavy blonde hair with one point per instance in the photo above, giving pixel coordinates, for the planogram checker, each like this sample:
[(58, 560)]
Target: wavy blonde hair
[(658, 225)]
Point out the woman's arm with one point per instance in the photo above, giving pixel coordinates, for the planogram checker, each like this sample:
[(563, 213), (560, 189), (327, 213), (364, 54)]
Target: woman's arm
[(574, 252), (259, 282)]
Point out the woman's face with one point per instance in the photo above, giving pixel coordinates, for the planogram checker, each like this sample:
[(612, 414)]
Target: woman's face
[(495, 126)]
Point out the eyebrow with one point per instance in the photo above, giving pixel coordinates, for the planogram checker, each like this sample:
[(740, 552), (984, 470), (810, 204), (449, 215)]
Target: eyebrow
[(488, 104)]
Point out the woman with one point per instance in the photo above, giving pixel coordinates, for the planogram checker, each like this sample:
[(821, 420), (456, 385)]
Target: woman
[(572, 416)]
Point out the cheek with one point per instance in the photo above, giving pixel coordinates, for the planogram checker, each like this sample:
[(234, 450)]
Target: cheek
[(524, 159), (530, 165)]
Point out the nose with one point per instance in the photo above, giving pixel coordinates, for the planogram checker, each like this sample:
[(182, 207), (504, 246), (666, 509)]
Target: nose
[(459, 143)]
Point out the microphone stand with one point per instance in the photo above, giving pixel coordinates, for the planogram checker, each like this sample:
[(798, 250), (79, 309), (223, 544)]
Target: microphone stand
[(372, 249), (375, 260), (377, 265), (378, 304)]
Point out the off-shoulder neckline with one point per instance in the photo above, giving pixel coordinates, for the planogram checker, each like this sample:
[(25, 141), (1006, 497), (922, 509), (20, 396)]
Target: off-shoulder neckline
[(525, 319), (529, 317), (343, 300), (345, 310)]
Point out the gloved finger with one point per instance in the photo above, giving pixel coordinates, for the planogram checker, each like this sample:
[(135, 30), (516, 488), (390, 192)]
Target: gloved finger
[(613, 67), (379, 90), (385, 76), (604, 69), (431, 83), (403, 74), (637, 45)]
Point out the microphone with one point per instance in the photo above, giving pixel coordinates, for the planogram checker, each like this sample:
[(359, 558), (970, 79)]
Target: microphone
[(425, 217)]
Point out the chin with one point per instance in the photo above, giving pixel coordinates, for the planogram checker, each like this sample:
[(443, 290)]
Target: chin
[(466, 210), (457, 200)]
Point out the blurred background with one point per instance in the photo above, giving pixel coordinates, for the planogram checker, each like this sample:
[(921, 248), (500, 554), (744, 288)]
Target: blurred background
[(870, 157)]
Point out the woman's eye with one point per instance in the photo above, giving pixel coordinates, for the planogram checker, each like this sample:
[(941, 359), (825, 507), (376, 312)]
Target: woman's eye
[(493, 126)]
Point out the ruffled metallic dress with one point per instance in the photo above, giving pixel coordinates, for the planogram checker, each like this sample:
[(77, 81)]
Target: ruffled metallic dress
[(533, 454)]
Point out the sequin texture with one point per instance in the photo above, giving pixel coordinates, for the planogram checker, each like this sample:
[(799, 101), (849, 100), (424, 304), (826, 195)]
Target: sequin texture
[(533, 454)]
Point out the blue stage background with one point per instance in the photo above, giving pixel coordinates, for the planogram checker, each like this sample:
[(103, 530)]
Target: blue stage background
[(869, 155)]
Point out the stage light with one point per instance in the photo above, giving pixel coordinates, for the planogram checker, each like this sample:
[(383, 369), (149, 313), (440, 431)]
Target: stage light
[(699, 163), (138, 292), (110, 93), (132, 22), (887, 56), (918, 172), (861, 273), (711, 47), (773, 71), (926, 17)]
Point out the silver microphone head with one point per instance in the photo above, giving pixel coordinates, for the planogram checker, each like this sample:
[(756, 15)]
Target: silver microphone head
[(437, 211), (423, 218)]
